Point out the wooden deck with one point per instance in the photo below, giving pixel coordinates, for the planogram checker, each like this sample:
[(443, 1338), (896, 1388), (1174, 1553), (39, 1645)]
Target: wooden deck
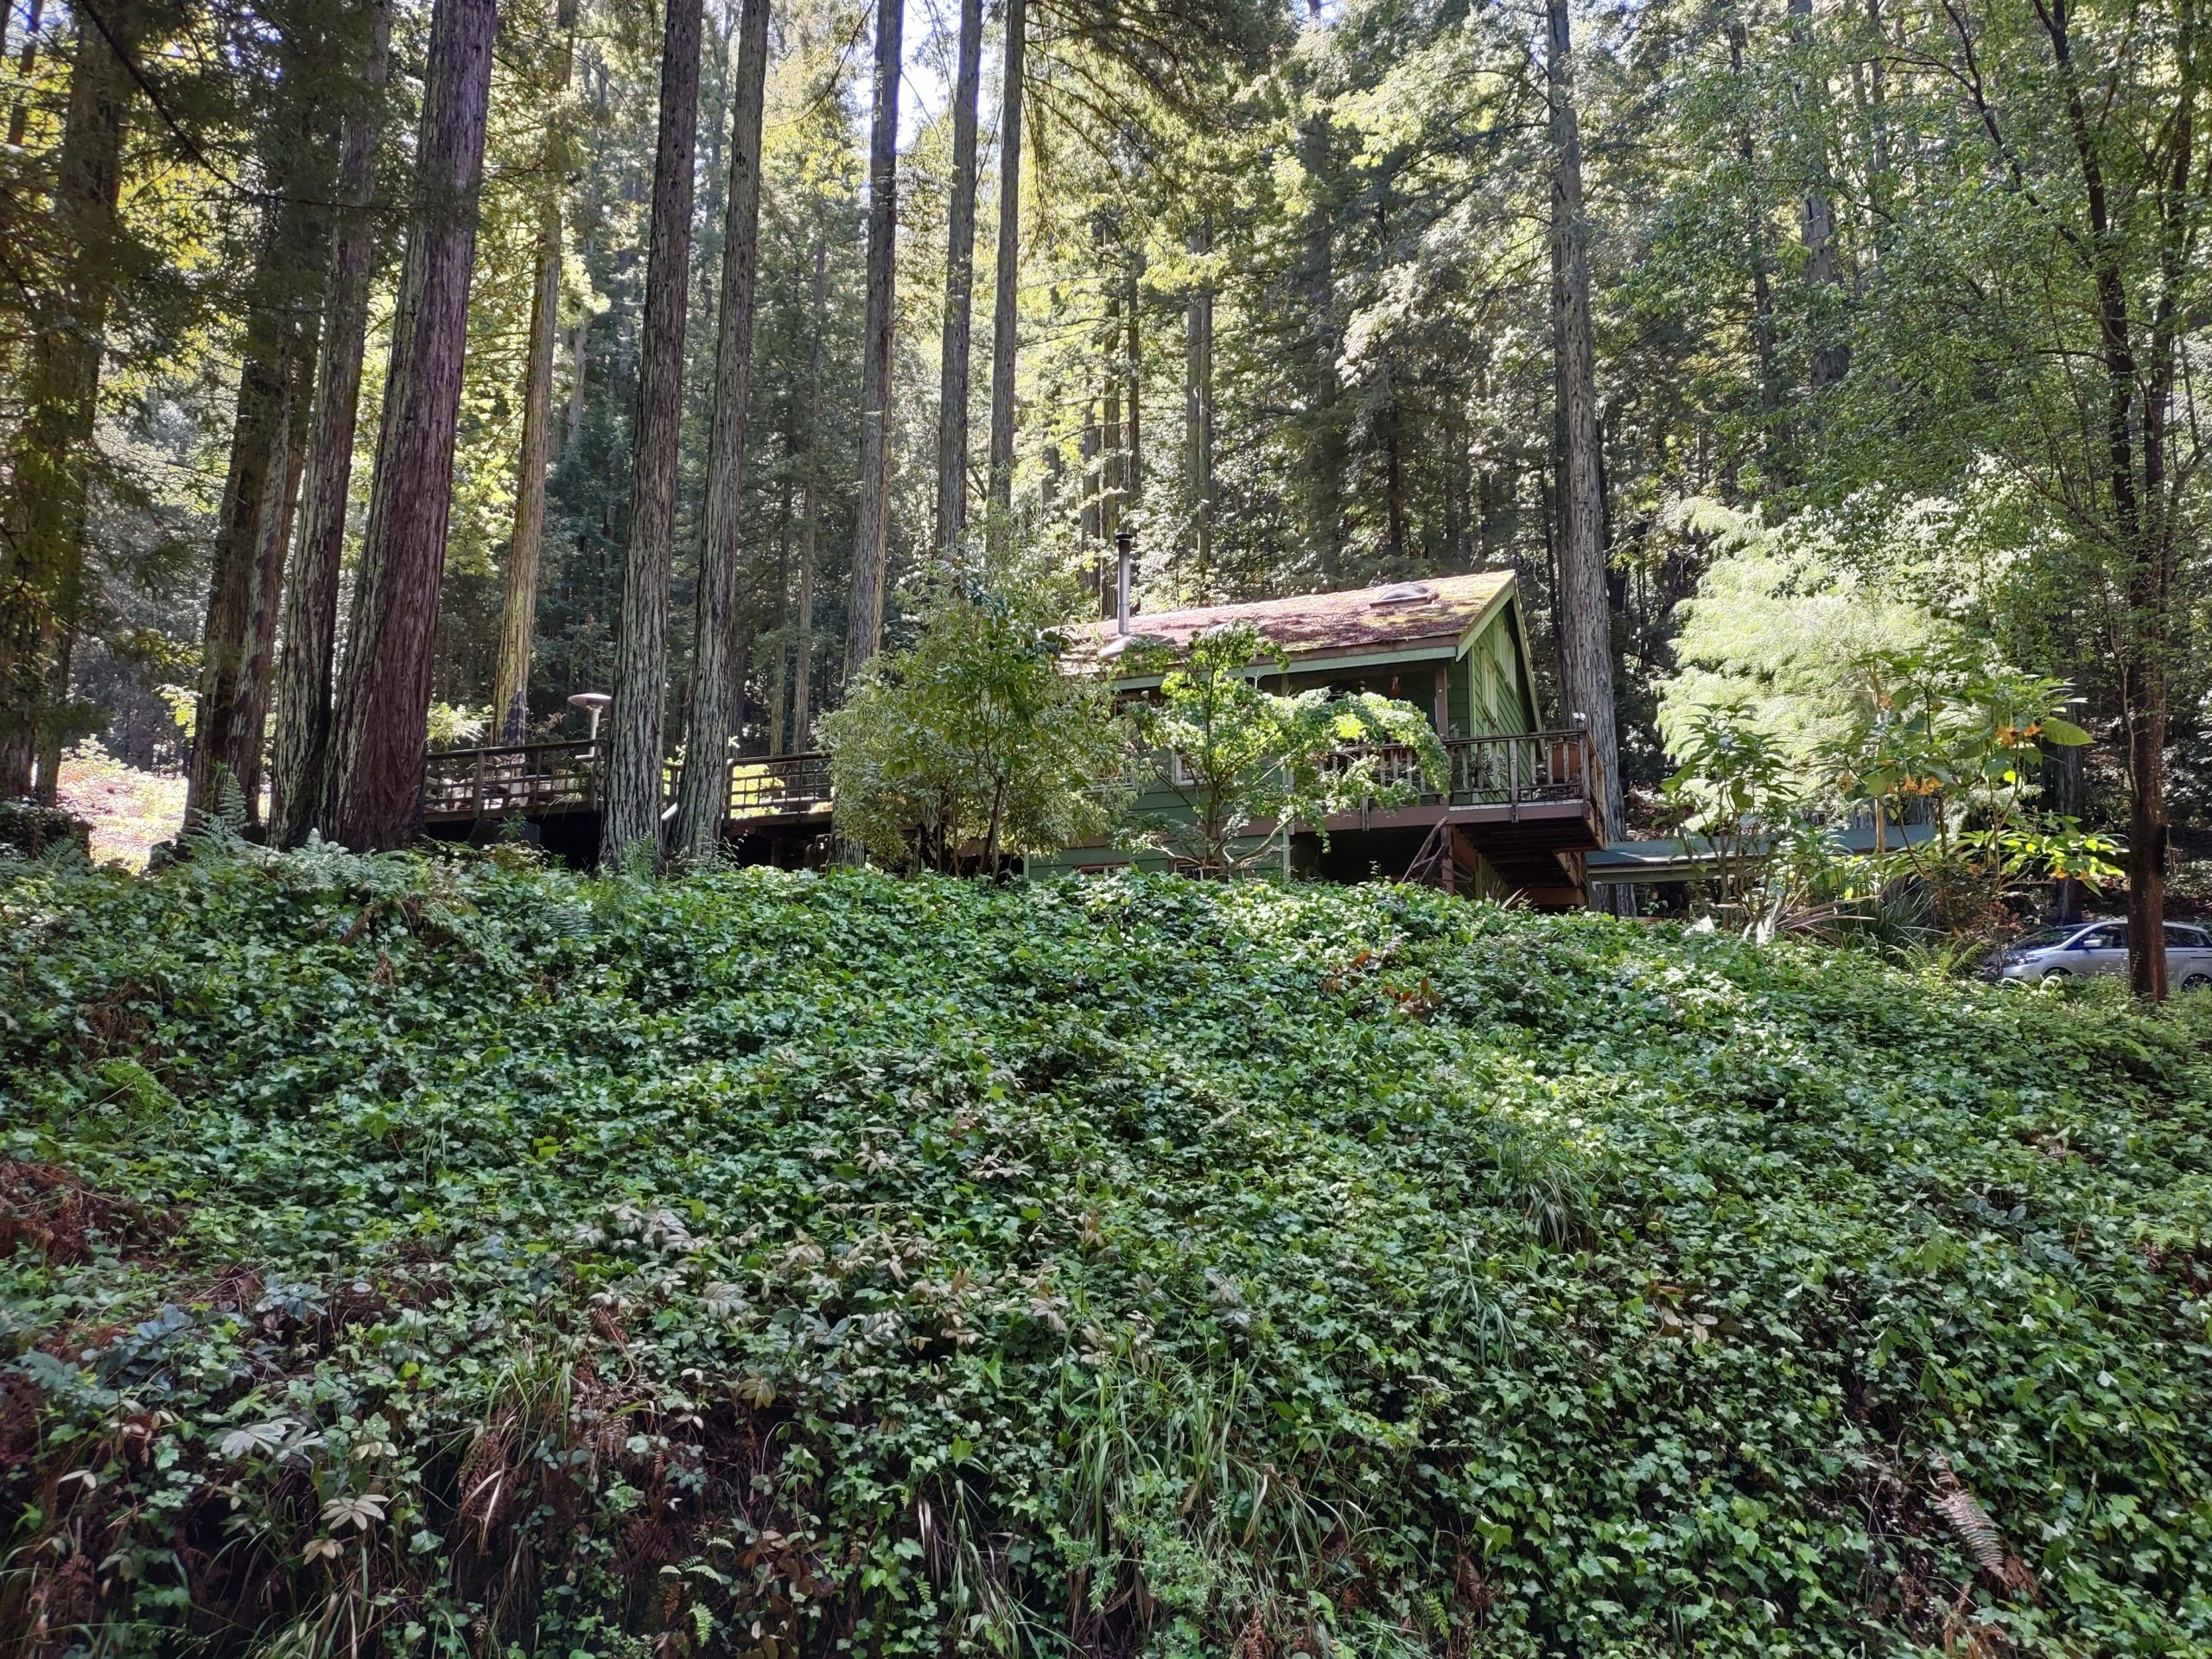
[(1525, 804)]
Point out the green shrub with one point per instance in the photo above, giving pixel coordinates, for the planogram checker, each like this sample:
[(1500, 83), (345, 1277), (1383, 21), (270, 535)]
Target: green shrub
[(447, 1258)]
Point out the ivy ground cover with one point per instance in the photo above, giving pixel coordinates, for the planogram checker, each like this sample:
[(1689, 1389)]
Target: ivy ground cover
[(401, 1257)]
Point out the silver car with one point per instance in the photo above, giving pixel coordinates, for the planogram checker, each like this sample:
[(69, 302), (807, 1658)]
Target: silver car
[(2083, 948)]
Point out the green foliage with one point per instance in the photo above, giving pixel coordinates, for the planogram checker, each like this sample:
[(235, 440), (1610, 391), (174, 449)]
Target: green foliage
[(1250, 764), (445, 1257), (1953, 733), (971, 745), (1809, 692)]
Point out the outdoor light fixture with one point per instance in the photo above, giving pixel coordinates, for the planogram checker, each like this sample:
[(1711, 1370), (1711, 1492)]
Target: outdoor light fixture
[(592, 703)]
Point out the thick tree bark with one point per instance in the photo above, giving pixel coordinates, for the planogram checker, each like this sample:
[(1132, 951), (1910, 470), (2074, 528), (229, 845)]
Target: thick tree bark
[(527, 543), (277, 527), (864, 629), (246, 568), (378, 736), (959, 286), (634, 746), (717, 663), (42, 550), (310, 623), (802, 649), (1583, 625), (1006, 295)]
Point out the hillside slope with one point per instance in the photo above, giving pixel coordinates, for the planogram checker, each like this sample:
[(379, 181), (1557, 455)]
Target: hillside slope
[(436, 1257)]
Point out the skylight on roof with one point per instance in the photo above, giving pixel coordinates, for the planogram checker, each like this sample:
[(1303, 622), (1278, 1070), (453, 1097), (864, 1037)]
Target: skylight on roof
[(1401, 593)]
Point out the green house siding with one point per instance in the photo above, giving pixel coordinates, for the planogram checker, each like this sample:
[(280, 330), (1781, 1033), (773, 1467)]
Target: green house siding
[(1487, 694)]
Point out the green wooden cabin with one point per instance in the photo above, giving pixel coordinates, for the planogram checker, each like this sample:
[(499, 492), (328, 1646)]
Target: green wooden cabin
[(1517, 817)]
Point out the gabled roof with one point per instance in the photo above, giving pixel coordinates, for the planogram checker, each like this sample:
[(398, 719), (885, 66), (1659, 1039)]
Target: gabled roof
[(1436, 612)]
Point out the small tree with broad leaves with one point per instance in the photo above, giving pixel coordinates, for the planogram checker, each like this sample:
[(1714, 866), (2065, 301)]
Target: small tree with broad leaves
[(1251, 766)]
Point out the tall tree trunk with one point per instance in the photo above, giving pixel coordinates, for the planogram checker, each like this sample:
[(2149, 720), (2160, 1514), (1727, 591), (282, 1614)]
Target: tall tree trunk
[(1394, 463), (1323, 485), (1198, 409), (1116, 493), (378, 736), (959, 286), (1584, 628), (633, 748), (1090, 516), (310, 625), (1133, 389), (526, 544), (864, 631), (42, 550), (2140, 375), (1817, 216), (778, 682), (717, 663), (246, 569), (1006, 295), (1761, 287), (277, 522), (808, 519)]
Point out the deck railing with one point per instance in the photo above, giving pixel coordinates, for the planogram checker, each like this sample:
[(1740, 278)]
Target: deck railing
[(1511, 771), (521, 778), (1518, 769), (783, 785)]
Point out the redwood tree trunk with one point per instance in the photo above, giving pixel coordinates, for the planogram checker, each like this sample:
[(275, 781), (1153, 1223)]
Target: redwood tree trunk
[(1584, 627), (1006, 297), (377, 738), (633, 741), (526, 545), (246, 563), (1197, 411), (277, 522), (865, 630), (1323, 483), (42, 550), (803, 650), (717, 665), (959, 286), (310, 623)]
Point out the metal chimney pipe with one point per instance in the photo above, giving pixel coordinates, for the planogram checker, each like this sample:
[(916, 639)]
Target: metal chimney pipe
[(1125, 546)]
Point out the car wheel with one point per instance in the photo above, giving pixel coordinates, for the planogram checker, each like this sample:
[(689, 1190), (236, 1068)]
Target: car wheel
[(2056, 972), (2197, 982)]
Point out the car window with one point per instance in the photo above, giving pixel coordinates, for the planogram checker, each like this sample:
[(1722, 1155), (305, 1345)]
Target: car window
[(2048, 938), (2111, 938), (2184, 938)]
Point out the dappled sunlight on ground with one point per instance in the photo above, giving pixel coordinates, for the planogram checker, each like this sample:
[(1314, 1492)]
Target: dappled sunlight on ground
[(129, 810)]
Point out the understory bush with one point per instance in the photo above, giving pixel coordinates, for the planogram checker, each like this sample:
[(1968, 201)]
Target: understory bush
[(443, 1258)]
